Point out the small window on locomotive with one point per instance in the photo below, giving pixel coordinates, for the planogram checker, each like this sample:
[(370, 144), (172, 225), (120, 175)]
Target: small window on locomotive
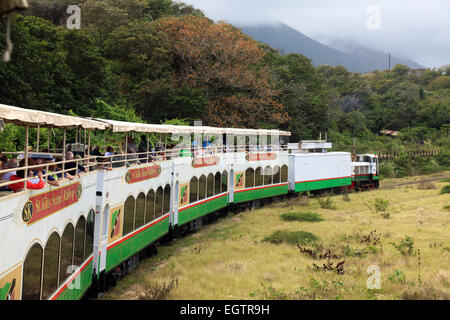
[(284, 173)]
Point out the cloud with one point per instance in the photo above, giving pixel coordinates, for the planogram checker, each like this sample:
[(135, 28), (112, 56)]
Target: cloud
[(413, 29)]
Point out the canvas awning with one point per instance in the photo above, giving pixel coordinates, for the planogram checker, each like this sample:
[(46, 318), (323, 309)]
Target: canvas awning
[(123, 126), (33, 118)]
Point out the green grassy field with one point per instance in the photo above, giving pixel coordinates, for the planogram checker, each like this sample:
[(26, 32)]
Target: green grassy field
[(254, 254)]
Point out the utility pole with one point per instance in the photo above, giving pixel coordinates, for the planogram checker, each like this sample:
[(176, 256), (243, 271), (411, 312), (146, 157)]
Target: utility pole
[(389, 62)]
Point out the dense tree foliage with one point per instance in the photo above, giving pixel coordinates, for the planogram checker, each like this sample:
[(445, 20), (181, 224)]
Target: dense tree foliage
[(159, 60)]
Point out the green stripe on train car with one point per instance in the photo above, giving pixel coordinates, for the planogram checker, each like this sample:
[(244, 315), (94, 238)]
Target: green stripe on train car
[(79, 285), (202, 209), (364, 178), (265, 192), (133, 245), (322, 184)]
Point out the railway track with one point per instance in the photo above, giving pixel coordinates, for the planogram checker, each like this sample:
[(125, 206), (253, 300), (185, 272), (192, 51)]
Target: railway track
[(433, 179)]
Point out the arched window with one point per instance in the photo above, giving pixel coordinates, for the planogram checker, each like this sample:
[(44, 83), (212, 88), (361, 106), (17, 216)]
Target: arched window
[(90, 233), (276, 175), (224, 181), (51, 266), (150, 206), (32, 267), (140, 210), (166, 203), (259, 179), (80, 233), (210, 185), (193, 189), (267, 176), (284, 173), (217, 183), (128, 215), (159, 202), (249, 178), (202, 188), (66, 253)]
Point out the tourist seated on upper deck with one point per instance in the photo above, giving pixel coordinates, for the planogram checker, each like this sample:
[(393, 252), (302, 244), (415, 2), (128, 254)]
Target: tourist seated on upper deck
[(13, 163), (73, 165), (102, 164), (160, 154), (50, 179), (96, 151), (131, 156), (117, 160), (3, 163), (109, 151), (21, 175), (58, 168)]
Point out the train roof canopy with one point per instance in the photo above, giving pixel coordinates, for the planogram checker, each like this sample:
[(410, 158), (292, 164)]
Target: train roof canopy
[(34, 118), (123, 126)]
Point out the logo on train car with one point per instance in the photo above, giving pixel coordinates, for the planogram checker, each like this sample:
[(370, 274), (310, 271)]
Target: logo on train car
[(184, 194), (199, 162), (239, 181), (10, 285), (261, 156), (141, 174), (45, 204), (115, 224)]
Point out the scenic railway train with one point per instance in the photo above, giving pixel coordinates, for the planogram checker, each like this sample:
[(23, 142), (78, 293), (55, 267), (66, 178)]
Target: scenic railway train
[(72, 218)]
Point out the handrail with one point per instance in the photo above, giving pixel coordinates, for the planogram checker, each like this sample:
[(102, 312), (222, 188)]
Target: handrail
[(92, 162)]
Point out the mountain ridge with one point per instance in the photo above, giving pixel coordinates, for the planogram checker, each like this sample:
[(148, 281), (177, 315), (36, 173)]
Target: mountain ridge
[(355, 58)]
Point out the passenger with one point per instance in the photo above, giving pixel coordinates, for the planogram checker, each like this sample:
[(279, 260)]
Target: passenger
[(109, 151), (96, 151), (119, 157), (49, 179), (59, 168), (73, 165), (21, 175), (3, 163), (143, 149), (160, 155), (102, 164), (13, 163), (131, 156)]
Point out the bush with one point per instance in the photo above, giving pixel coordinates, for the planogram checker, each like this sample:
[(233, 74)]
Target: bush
[(327, 203), (292, 237), (301, 216), (445, 189), (443, 158), (387, 169), (406, 246)]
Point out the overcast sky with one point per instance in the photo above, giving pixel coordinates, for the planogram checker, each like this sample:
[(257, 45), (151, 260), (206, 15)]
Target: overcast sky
[(414, 29)]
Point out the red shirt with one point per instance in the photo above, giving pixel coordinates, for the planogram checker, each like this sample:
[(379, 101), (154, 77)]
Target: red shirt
[(20, 185)]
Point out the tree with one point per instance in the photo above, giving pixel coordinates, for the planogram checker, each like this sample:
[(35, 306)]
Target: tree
[(223, 61)]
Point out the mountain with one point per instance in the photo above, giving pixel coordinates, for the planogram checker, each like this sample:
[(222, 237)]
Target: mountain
[(355, 58)]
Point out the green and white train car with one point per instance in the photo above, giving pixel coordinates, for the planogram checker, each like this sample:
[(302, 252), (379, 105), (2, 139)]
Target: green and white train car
[(60, 241)]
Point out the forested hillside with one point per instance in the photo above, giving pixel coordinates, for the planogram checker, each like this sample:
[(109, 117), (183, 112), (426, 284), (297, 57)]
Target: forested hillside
[(158, 60)]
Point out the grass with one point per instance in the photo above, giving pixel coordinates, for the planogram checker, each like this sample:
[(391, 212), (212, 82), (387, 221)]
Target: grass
[(291, 237), (230, 260), (301, 216)]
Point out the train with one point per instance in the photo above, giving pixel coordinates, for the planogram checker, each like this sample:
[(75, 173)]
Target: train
[(66, 241)]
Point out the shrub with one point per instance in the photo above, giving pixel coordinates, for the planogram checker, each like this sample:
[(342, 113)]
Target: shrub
[(443, 158), (445, 189), (406, 246), (426, 185), (301, 216), (327, 203), (397, 277), (292, 237), (387, 170)]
